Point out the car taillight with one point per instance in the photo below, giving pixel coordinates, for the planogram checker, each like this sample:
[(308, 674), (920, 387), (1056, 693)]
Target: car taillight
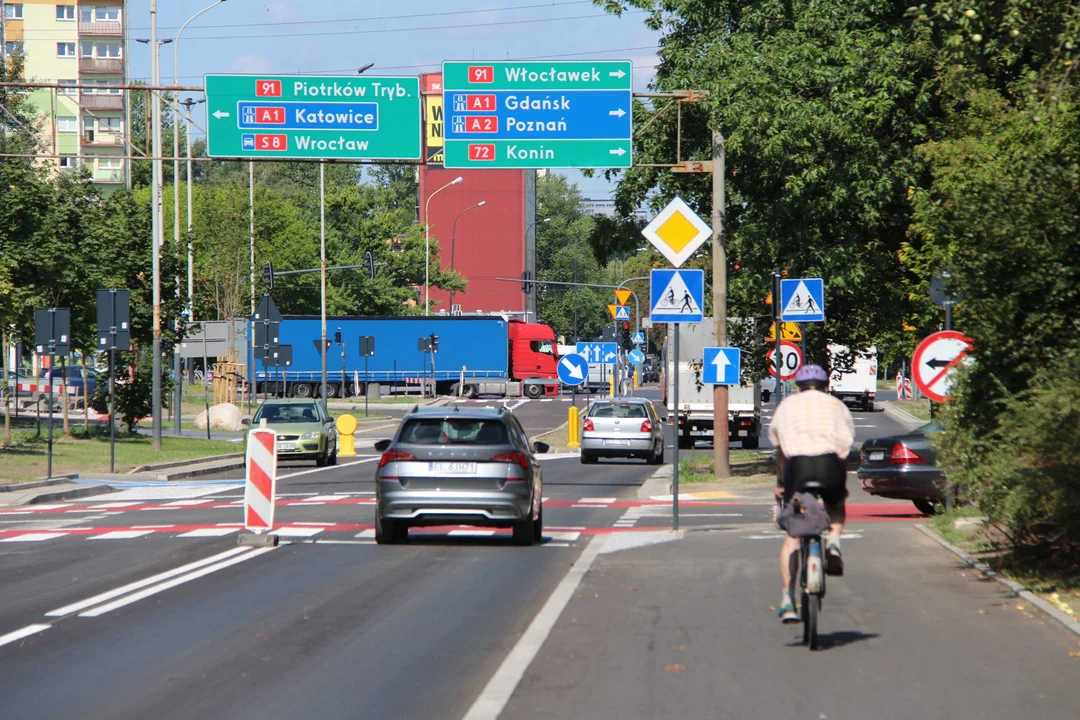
[(389, 457), (588, 426), (646, 426), (903, 455), (517, 458)]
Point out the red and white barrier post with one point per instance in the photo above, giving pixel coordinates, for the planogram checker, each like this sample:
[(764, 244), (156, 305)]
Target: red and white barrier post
[(260, 488)]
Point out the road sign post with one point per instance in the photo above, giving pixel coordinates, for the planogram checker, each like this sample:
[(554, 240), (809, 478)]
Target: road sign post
[(313, 117), (52, 331), (114, 333), (538, 114), (367, 349)]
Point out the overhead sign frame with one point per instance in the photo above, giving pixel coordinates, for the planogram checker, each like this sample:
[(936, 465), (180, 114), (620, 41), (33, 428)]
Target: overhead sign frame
[(677, 232)]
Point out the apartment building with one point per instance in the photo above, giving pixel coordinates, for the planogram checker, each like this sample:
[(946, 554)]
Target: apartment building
[(75, 43)]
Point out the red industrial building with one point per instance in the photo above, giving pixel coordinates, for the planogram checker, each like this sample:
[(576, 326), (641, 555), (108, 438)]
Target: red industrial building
[(485, 242)]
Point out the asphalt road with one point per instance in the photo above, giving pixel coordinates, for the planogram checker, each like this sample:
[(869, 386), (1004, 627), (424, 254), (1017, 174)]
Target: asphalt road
[(140, 604)]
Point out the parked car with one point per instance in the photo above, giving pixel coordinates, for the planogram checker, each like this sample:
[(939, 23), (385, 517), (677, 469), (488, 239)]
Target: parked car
[(459, 466), (304, 429), (904, 467), (622, 427), (72, 377)]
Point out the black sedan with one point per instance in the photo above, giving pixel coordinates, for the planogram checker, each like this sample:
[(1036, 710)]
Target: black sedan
[(904, 467)]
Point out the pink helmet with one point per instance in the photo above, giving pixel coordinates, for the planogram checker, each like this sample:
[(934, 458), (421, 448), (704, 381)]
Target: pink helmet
[(810, 373)]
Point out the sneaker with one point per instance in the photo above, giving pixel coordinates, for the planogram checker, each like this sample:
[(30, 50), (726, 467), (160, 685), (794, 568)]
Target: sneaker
[(834, 561), (787, 614)]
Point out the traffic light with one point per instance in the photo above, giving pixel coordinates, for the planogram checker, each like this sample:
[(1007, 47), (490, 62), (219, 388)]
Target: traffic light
[(626, 339), (370, 258), (526, 286), (337, 336), (268, 275), (434, 343)]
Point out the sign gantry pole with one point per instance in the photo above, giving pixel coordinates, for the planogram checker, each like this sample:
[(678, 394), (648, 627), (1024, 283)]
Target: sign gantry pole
[(721, 446)]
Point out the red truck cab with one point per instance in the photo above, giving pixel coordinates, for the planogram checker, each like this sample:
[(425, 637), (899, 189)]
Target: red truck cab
[(533, 354)]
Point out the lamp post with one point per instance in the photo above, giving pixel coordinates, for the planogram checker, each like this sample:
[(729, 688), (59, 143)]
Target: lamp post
[(531, 308), (188, 104), (156, 229), (427, 243), (453, 242)]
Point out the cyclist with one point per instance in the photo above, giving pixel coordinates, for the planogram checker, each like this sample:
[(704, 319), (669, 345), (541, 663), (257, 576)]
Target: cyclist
[(812, 432)]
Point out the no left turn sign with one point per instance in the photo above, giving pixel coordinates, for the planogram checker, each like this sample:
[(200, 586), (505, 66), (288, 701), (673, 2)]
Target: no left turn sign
[(935, 361)]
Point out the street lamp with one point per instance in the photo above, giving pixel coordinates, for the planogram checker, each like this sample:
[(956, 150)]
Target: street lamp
[(531, 271), (453, 242), (155, 215), (188, 104), (427, 243), (363, 68)]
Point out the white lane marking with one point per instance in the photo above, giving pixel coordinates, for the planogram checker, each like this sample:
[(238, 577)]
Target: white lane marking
[(316, 524), (548, 400), (109, 595), (30, 512), (183, 503), (33, 537), (500, 687), (308, 504), (365, 534), (249, 553), (516, 405), (209, 532), (120, 535), (150, 527), (22, 633), (111, 505), (167, 492), (49, 507), (297, 532), (866, 426), (238, 525), (328, 467), (561, 535), (470, 533), (321, 499), (605, 501)]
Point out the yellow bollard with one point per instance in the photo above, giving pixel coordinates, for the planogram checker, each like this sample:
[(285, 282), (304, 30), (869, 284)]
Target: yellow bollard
[(636, 386), (346, 426), (611, 386), (573, 431)]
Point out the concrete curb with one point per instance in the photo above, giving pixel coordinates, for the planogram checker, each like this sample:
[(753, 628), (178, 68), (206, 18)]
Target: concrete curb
[(182, 463), (1018, 590), (54, 480), (901, 416), (659, 483), (73, 494)]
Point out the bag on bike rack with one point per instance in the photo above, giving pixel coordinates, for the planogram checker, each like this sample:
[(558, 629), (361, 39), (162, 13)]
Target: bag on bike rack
[(803, 516)]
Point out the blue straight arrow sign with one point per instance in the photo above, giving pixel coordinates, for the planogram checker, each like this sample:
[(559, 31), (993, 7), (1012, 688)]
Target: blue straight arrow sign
[(722, 366)]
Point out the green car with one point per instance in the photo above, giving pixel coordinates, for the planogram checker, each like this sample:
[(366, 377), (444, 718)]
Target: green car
[(304, 430)]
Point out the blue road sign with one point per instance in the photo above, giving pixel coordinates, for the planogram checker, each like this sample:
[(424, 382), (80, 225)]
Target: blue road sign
[(802, 300), (677, 296), (622, 312), (573, 369), (285, 115), (638, 338), (722, 366), (636, 357), (517, 115), (598, 353)]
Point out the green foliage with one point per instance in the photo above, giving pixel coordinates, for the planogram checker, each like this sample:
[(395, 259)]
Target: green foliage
[(134, 386)]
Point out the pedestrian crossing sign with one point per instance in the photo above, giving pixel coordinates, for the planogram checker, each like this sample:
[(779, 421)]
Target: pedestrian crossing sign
[(803, 299), (622, 312), (677, 296)]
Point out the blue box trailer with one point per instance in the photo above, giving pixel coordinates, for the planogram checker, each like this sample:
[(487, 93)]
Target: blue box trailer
[(478, 349)]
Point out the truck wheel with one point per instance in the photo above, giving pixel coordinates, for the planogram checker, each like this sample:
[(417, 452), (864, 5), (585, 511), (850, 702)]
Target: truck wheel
[(470, 391), (304, 390), (332, 390), (751, 443), (534, 391)]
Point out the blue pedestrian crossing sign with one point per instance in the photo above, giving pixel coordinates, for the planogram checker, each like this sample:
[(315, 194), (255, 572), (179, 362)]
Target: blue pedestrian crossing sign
[(636, 357), (722, 366), (677, 296), (802, 300), (573, 369), (622, 312), (598, 353), (638, 338)]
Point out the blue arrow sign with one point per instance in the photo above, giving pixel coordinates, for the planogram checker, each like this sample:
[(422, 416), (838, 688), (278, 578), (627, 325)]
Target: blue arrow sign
[(537, 115), (803, 300), (573, 369), (721, 366), (622, 312), (638, 338), (598, 353), (677, 296), (636, 357)]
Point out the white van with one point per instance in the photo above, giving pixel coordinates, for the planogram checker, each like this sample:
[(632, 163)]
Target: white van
[(856, 385)]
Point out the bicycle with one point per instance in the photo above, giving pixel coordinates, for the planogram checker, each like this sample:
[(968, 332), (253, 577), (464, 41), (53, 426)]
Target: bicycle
[(811, 574)]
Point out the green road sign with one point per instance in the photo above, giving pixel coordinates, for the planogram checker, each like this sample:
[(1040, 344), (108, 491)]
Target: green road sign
[(332, 118), (538, 114)]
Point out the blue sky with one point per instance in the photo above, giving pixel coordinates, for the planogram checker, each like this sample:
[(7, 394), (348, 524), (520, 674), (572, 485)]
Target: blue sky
[(402, 37)]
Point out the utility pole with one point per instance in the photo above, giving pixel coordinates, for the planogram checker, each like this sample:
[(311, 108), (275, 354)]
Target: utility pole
[(721, 446), (155, 72)]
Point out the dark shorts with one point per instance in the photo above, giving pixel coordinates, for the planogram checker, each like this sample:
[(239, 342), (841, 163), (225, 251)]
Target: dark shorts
[(828, 470)]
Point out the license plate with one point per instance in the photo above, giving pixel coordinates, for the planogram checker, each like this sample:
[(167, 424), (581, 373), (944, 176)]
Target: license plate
[(453, 468), (876, 456), (286, 446), (616, 442)]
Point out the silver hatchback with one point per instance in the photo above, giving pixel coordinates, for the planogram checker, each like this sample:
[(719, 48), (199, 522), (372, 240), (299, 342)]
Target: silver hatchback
[(453, 466), (622, 427)]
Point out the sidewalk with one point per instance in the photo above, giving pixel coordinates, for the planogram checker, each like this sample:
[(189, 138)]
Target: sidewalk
[(687, 628)]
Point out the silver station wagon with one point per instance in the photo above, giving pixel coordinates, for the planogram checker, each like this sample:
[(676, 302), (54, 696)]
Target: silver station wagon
[(449, 466)]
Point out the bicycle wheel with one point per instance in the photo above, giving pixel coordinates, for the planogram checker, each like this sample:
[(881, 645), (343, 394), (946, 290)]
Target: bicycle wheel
[(813, 606)]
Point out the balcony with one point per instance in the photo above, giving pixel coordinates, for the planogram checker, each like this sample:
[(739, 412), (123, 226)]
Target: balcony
[(113, 28), (101, 101), (107, 66), (101, 139), (108, 177)]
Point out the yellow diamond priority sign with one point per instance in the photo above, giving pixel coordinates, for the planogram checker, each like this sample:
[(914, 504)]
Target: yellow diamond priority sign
[(677, 232)]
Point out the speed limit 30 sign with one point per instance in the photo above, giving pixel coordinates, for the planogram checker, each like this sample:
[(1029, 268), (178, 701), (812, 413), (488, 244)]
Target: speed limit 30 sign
[(790, 360)]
